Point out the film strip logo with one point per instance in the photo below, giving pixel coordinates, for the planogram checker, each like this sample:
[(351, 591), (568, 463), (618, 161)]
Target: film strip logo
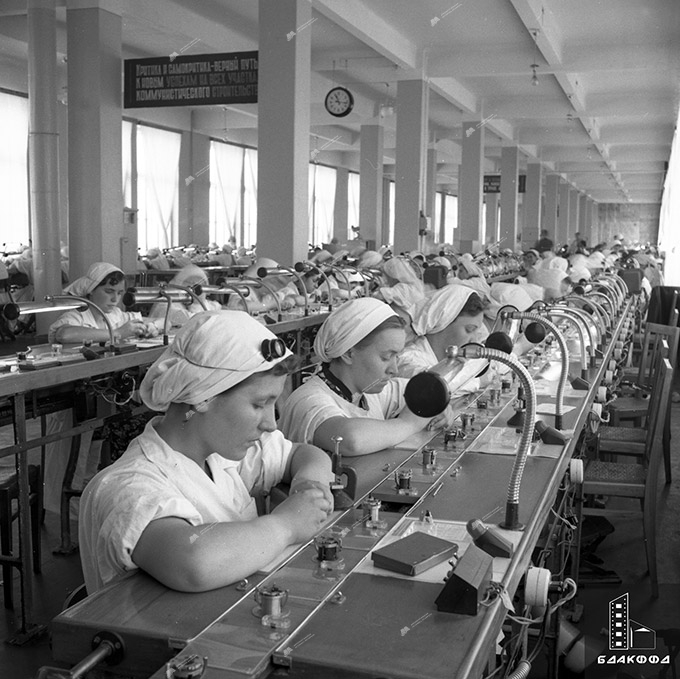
[(626, 634)]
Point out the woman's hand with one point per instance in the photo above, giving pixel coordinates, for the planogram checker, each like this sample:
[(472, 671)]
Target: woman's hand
[(135, 327), (304, 512), (445, 419)]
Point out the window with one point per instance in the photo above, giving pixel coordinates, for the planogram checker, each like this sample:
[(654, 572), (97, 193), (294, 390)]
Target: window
[(225, 204), (14, 168), (321, 203), (157, 187), (450, 217)]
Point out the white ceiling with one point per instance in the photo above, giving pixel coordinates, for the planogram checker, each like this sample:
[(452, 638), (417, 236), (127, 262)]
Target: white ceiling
[(611, 66)]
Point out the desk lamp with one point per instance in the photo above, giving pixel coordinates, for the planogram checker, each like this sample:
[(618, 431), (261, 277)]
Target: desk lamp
[(259, 283), (308, 266), (281, 270), (224, 287), (509, 312)]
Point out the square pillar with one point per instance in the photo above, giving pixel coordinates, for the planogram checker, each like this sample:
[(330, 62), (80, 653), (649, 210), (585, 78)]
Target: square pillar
[(573, 213), (283, 130), (532, 205), (412, 107), (341, 204), (552, 191), (491, 202), (470, 194), (371, 175), (584, 218), (95, 199), (563, 222), (509, 196)]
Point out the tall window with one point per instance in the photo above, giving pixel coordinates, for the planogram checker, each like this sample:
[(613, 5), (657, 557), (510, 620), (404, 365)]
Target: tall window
[(14, 168), (225, 209), (157, 187), (249, 237), (390, 235), (437, 223), (450, 217), (321, 203), (353, 185), (128, 131)]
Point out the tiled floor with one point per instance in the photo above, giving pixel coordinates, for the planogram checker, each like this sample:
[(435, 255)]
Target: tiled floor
[(622, 552)]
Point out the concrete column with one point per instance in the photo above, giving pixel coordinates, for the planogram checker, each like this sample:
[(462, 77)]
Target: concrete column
[(385, 228), (43, 157), (431, 191), (62, 120), (491, 201), (595, 223), (509, 197), (412, 107), (283, 130), (573, 213), (584, 217), (96, 231), (194, 189), (371, 175), (552, 192), (562, 235), (532, 205), (470, 188), (340, 207)]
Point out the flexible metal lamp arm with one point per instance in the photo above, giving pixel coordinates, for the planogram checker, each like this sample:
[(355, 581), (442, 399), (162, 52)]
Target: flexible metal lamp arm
[(90, 304), (258, 282), (189, 289), (292, 272), (512, 506), (564, 372), (308, 266)]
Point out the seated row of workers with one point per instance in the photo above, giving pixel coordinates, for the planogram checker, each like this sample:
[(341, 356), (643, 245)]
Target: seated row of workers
[(451, 315)]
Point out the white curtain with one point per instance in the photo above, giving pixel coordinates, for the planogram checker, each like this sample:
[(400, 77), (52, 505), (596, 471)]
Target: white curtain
[(157, 186), (226, 170), (450, 217), (353, 185), (311, 176), (249, 198), (14, 168), (390, 239), (669, 218), (436, 225), (324, 200)]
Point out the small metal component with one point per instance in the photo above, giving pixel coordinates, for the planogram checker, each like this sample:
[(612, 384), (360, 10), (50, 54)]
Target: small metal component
[(429, 457), (386, 468), (450, 435), (338, 598), (271, 606), (243, 585), (371, 518), (328, 548), (455, 471), (467, 419), (494, 396), (505, 386), (482, 404), (190, 667), (402, 478)]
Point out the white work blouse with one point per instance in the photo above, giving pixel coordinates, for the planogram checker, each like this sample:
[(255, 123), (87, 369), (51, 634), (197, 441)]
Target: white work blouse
[(88, 319), (315, 402), (151, 481)]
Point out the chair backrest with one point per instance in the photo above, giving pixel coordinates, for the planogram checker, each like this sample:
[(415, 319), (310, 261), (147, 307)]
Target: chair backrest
[(654, 449), (673, 314), (651, 345), (656, 384)]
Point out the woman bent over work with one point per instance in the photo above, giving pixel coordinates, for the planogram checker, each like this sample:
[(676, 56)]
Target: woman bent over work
[(355, 395), (180, 503)]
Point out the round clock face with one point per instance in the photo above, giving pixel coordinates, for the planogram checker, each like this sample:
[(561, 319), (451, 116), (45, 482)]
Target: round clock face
[(339, 102)]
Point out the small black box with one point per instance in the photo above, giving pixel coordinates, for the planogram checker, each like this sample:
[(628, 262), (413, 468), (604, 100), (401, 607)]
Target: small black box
[(414, 553)]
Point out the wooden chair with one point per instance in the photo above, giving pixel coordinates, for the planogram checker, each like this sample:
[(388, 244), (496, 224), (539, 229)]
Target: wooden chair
[(634, 408), (9, 493), (614, 479)]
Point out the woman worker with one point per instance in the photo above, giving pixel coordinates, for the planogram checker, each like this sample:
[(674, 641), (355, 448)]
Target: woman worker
[(104, 285), (453, 315), (181, 503), (354, 394), (179, 314)]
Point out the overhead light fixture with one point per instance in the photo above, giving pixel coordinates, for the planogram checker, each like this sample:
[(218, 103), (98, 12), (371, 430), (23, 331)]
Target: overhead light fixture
[(534, 66)]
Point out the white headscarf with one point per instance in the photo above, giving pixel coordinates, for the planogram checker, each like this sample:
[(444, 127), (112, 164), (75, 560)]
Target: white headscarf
[(467, 262), (96, 274), (348, 325), (214, 351), (441, 309), (401, 270), (190, 275), (369, 259), (503, 294)]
